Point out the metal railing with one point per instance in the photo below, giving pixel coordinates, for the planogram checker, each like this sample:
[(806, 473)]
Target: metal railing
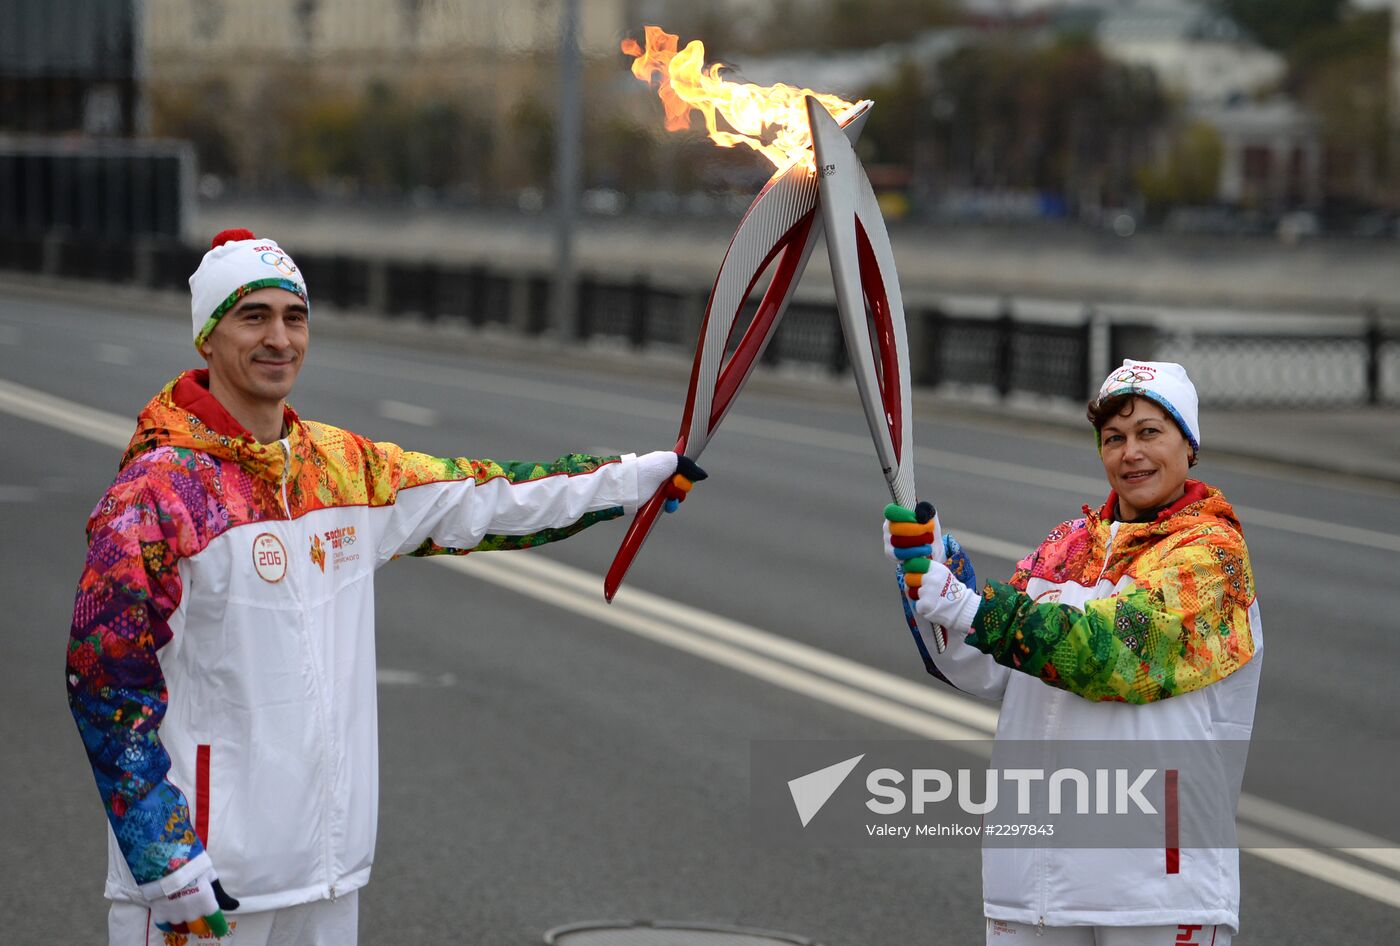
[(1329, 362), (95, 189)]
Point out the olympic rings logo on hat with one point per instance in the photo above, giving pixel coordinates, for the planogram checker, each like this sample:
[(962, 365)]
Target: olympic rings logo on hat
[(279, 263), (1138, 376)]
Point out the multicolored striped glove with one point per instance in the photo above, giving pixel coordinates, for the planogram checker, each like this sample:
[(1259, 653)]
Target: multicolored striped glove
[(687, 475), (196, 908), (913, 533)]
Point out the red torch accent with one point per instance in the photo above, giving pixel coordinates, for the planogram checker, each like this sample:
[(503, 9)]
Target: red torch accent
[(882, 338), (731, 378)]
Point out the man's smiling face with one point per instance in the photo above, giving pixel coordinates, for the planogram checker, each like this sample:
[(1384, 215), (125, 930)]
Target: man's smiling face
[(257, 349)]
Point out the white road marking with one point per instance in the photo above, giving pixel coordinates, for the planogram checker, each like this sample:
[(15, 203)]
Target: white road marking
[(110, 354), (103, 427), (545, 585), (1319, 831), (1320, 866), (407, 413), (389, 676), (837, 681)]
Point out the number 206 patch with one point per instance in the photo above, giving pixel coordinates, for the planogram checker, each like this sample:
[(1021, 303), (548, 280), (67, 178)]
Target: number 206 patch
[(269, 557)]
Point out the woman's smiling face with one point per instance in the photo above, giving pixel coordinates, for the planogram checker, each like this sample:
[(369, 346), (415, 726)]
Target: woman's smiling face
[(1145, 456)]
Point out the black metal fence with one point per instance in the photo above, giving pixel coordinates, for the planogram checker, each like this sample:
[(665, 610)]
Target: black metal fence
[(1335, 362), (94, 189)]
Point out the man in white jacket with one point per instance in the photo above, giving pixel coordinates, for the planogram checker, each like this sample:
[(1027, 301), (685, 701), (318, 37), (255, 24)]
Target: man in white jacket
[(1135, 622), (221, 658)]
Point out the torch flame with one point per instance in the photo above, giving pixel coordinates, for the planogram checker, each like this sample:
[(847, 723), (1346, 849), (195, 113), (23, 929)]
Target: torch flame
[(771, 120)]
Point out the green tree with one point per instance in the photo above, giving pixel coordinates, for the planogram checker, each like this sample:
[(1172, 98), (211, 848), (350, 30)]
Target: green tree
[(1061, 118), (1341, 74), (897, 125), (1191, 172), (1282, 24), (199, 113)]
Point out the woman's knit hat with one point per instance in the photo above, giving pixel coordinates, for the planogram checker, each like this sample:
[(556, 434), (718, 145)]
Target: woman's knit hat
[(1164, 382)]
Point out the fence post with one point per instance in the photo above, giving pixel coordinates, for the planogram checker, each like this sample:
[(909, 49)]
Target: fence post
[(1087, 339), (772, 352), (51, 254), (143, 266), (693, 309), (583, 316), (518, 306), (1373, 356), (641, 298), (429, 278), (839, 360), (377, 287), (928, 368), (1005, 342)]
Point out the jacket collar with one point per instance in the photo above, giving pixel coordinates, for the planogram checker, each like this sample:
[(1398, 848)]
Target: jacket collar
[(1195, 492), (185, 414)]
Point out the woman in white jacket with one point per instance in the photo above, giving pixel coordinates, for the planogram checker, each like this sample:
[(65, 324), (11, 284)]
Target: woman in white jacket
[(1136, 621)]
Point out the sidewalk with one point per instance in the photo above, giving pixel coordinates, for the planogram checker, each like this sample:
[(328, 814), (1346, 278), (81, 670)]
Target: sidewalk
[(1356, 443), (1362, 442)]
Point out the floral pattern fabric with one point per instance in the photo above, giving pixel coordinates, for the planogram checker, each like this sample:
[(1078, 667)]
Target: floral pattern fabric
[(1179, 621)]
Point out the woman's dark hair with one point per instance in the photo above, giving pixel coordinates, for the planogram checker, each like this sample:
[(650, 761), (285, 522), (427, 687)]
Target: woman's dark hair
[(1104, 409)]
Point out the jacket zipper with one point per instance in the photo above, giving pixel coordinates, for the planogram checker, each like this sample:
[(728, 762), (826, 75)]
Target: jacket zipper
[(1056, 699), (322, 709), (286, 465), (1041, 854), (1108, 551)]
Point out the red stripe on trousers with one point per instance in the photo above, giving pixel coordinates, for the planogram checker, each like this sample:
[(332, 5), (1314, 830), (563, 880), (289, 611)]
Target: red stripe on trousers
[(201, 794), (1173, 839)]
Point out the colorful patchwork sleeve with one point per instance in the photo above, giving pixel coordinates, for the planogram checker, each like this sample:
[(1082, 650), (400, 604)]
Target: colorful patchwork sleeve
[(1182, 626), (116, 690), (513, 504)]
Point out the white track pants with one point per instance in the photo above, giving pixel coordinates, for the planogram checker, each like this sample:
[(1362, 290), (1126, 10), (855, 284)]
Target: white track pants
[(1003, 933), (321, 923)]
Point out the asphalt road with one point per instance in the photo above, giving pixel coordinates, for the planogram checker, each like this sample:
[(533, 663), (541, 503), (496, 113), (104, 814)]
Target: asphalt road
[(543, 765)]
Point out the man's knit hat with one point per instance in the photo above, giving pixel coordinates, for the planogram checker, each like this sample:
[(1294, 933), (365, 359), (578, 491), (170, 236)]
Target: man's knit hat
[(238, 263), (1164, 382)]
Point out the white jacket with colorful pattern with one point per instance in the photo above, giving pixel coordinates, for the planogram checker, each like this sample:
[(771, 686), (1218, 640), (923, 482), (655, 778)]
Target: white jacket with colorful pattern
[(221, 661), (1120, 631)]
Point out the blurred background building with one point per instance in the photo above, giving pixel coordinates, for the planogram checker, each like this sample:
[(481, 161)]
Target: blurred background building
[(69, 67), (75, 153), (1172, 110), (446, 99)]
